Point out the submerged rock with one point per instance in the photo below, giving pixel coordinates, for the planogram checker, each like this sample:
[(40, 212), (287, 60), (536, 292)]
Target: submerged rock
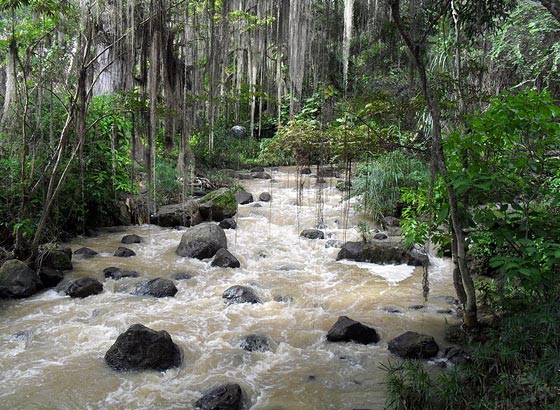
[(255, 343), (312, 234), (141, 348), (181, 276), (202, 241), (349, 330), (240, 294), (128, 239), (115, 273), (85, 252), (222, 397), (81, 288), (225, 259), (17, 280), (123, 252), (412, 345), (158, 287)]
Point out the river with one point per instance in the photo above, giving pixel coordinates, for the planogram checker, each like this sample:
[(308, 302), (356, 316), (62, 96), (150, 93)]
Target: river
[(53, 347)]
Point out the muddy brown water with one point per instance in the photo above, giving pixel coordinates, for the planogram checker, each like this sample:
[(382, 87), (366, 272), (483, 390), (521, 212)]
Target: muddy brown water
[(53, 346)]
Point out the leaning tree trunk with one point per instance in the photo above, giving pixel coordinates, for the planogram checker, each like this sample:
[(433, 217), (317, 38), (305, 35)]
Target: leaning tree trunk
[(470, 318)]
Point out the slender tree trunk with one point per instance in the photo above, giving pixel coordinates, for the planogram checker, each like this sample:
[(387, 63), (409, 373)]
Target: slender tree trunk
[(470, 319)]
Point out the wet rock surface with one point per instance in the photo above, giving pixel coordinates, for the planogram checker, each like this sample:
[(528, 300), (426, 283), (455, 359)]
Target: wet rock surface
[(142, 348), (349, 330)]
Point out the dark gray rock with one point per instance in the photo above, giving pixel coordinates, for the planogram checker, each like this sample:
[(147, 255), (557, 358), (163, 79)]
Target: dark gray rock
[(265, 197), (17, 280), (59, 259), (257, 169), (240, 294), (412, 345), (123, 252), (115, 273), (380, 252), (202, 241), (222, 397), (128, 239), (348, 330), (255, 343), (228, 223), (256, 205), (158, 288), (457, 355), (50, 277), (85, 252), (141, 348), (391, 309), (184, 214), (312, 234), (225, 259), (244, 197), (181, 276), (81, 288), (380, 236)]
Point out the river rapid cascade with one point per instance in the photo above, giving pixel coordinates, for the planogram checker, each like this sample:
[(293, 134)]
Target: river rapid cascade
[(53, 346)]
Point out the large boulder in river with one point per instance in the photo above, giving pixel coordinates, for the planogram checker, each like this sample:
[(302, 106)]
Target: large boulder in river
[(60, 259), (240, 294), (223, 397), (224, 259), (244, 197), (158, 288), (141, 348), (17, 280), (81, 288), (202, 241), (382, 252), (412, 345), (348, 330), (218, 205), (184, 214)]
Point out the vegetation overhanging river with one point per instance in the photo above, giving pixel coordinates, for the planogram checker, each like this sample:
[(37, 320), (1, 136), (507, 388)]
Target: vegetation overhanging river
[(53, 346)]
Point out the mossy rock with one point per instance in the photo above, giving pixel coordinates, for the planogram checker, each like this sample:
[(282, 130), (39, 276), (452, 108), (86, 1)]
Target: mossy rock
[(218, 205)]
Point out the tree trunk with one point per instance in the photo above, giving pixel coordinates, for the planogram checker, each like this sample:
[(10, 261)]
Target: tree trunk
[(470, 319)]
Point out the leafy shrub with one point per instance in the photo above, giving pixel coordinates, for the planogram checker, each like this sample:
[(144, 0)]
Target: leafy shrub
[(379, 183)]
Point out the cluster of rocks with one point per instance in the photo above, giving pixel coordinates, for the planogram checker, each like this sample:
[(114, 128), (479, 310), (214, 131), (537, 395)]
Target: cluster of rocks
[(409, 345), (217, 206)]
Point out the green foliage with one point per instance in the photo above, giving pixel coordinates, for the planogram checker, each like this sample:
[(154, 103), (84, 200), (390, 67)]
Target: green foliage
[(527, 47), (505, 168), (229, 151), (379, 183)]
